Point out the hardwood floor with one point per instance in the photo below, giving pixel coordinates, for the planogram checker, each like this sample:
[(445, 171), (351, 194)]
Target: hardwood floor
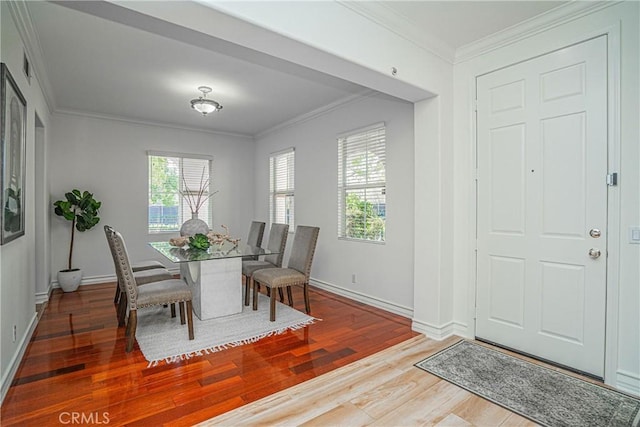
[(384, 389), (76, 366)]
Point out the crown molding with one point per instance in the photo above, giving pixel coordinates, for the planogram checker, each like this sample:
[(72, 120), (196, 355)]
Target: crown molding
[(68, 112), (536, 25), (316, 113), (24, 24), (386, 17)]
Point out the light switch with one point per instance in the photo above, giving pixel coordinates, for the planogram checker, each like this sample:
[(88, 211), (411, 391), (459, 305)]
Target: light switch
[(634, 235)]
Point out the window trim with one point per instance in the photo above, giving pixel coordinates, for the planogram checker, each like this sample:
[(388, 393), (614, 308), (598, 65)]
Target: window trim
[(181, 156), (344, 188), (288, 192)]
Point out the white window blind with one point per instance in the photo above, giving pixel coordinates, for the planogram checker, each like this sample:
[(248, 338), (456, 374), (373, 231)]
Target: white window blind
[(362, 184), (169, 176), (282, 187)]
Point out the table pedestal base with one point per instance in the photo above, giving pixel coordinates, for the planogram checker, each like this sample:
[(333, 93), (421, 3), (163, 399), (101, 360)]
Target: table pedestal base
[(216, 286)]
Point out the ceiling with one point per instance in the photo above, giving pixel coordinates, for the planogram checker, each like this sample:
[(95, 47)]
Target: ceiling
[(457, 23), (105, 68)]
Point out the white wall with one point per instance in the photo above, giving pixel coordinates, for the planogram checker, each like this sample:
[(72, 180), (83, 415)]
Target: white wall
[(109, 158), (17, 259), (623, 289), (384, 272)]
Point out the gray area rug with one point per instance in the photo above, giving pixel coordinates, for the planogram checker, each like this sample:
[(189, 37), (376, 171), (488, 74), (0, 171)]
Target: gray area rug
[(545, 396), (163, 339)]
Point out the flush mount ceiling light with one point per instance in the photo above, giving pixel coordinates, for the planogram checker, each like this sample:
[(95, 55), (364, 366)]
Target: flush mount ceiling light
[(204, 105)]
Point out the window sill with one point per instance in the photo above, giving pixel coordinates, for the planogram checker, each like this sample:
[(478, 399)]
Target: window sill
[(375, 242)]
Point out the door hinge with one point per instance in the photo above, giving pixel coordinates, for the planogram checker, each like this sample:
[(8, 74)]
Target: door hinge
[(612, 179), (475, 105)]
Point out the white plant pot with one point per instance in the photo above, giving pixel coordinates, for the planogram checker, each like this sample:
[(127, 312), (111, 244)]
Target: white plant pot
[(69, 280)]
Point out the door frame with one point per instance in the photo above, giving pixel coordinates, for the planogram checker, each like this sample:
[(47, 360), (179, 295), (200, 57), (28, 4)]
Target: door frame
[(612, 33)]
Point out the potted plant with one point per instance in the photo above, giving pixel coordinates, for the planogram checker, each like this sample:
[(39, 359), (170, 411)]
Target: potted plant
[(82, 210)]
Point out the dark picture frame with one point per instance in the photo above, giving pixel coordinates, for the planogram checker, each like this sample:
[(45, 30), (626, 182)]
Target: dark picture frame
[(12, 157)]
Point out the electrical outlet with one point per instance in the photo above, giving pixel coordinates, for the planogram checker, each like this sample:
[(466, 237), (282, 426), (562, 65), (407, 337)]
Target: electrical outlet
[(353, 278), (15, 333)]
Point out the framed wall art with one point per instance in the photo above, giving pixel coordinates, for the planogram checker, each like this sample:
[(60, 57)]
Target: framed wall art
[(12, 157)]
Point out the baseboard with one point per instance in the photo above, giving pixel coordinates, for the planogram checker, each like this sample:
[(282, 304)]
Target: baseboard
[(363, 298), (461, 329), (440, 332), (88, 281), (98, 280), (42, 297), (628, 382), (7, 377)]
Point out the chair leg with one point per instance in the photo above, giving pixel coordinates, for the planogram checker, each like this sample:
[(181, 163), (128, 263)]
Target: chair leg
[(247, 291), (307, 304), (281, 293), (173, 310), (116, 297), (290, 296), (255, 294), (127, 329), (121, 310), (131, 330), (189, 319), (181, 304), (272, 306)]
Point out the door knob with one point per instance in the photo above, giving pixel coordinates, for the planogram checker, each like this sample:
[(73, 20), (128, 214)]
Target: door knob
[(594, 253), (595, 233)]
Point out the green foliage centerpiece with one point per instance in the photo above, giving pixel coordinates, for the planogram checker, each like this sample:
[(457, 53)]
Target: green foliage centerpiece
[(199, 242)]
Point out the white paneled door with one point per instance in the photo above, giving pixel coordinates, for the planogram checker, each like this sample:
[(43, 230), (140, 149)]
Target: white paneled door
[(542, 206)]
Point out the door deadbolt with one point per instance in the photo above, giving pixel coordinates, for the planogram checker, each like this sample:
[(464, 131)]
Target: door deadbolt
[(595, 233), (594, 253)]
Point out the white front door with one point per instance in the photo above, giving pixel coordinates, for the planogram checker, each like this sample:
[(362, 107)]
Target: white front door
[(542, 206)]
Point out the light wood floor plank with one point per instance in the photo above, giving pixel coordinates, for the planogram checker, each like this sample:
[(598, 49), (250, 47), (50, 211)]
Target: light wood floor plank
[(384, 389), (428, 408), (407, 386), (346, 414), (481, 412), (453, 420), (515, 420)]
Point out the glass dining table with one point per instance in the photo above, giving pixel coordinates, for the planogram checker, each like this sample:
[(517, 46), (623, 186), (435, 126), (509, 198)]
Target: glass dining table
[(214, 275)]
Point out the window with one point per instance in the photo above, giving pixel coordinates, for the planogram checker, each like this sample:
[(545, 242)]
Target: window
[(281, 187), (362, 184), (169, 176)]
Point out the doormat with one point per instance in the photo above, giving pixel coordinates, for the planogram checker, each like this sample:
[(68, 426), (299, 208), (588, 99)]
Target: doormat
[(543, 395)]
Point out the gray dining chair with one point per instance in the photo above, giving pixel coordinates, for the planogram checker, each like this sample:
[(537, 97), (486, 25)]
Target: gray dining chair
[(155, 293), (277, 242), (142, 277), (296, 274), (256, 232), (136, 266)]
